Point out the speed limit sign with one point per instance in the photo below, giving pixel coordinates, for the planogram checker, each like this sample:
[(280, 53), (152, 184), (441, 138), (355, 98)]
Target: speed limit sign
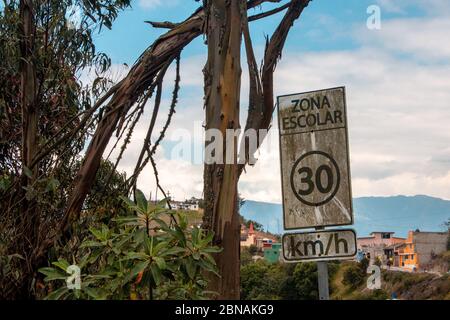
[(314, 159)]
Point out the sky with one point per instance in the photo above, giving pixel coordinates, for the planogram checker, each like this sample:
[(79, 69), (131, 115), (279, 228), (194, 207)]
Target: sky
[(397, 80)]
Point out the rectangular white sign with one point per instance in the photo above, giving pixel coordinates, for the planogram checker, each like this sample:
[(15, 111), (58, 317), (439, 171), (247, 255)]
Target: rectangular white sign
[(319, 245), (314, 156)]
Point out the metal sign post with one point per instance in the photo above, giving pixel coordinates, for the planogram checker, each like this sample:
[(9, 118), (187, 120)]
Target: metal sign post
[(322, 273), (315, 176)]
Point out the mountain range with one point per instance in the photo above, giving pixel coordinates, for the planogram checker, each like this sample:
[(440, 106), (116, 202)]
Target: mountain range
[(397, 214)]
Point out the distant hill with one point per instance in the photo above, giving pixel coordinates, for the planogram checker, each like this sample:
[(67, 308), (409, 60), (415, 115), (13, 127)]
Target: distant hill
[(398, 214)]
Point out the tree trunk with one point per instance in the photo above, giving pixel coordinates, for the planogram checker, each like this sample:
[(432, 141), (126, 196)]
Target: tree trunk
[(222, 96), (28, 221)]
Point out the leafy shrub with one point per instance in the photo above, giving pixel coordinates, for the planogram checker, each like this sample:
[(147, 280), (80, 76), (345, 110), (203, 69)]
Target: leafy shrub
[(354, 275), (262, 280), (151, 253), (306, 281), (378, 294)]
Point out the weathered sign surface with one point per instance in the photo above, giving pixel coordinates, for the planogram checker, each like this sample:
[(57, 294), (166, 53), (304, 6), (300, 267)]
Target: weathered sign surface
[(314, 159), (319, 245)]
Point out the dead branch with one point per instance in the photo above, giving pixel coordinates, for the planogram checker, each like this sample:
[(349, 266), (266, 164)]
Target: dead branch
[(162, 25), (268, 13), (261, 103)]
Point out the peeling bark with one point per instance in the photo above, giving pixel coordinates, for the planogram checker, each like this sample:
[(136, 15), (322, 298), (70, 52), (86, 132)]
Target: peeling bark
[(222, 97)]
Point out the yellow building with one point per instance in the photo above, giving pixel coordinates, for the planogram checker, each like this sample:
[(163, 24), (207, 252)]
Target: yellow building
[(419, 248)]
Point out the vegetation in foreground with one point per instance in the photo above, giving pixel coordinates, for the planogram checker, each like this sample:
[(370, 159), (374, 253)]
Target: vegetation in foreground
[(137, 256), (348, 281)]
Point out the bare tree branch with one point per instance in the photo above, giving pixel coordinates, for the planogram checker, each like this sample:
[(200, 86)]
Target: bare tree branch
[(269, 13), (262, 104)]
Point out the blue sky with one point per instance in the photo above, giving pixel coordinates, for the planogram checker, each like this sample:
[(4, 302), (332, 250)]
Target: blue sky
[(397, 80)]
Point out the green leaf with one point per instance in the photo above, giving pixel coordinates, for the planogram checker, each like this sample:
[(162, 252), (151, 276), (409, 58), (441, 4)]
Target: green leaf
[(57, 294), (95, 256), (137, 268), (131, 205), (160, 262), (62, 264), (27, 172), (172, 251), (156, 274), (209, 237), (97, 233), (52, 274), (159, 246), (141, 200), (191, 268), (90, 244), (148, 242), (105, 232), (136, 255), (212, 250), (208, 267), (96, 293), (97, 276)]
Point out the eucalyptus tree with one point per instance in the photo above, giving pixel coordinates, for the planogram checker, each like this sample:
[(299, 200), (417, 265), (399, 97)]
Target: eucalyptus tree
[(43, 147), (46, 46), (225, 24)]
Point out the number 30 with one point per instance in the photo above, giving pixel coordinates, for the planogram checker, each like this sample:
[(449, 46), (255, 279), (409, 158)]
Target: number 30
[(318, 180)]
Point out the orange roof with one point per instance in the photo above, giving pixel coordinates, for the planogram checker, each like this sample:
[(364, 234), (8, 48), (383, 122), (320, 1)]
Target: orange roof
[(251, 231)]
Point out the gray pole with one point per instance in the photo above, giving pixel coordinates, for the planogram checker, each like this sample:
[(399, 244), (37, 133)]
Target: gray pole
[(322, 275), (322, 269)]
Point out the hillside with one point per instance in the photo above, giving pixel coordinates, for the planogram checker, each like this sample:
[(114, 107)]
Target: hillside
[(398, 214), (406, 286)]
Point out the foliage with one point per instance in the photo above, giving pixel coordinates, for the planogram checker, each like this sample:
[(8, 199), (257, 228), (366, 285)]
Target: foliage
[(246, 256), (253, 249), (355, 274), (68, 75), (262, 280), (150, 253), (256, 225), (377, 294), (63, 50), (306, 281)]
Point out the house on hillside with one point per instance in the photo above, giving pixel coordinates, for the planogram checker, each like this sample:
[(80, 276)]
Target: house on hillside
[(380, 244), (192, 204), (272, 253), (248, 236), (419, 248)]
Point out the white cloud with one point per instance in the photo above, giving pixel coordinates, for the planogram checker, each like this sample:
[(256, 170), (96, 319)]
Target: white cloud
[(149, 4), (432, 7), (152, 4), (423, 39)]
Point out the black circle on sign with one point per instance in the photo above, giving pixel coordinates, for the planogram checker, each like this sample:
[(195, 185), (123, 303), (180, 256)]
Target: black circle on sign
[(338, 178)]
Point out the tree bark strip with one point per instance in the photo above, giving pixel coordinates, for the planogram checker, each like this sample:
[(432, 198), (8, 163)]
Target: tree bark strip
[(29, 214), (222, 97)]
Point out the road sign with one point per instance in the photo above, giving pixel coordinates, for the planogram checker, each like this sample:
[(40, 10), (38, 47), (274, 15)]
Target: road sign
[(314, 159), (326, 245)]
